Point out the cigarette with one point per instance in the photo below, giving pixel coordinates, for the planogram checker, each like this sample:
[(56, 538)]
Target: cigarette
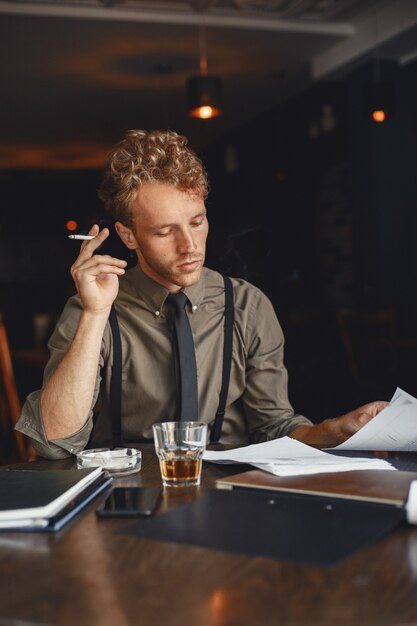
[(81, 237)]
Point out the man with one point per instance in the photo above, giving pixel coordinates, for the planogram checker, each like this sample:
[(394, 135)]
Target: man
[(154, 186)]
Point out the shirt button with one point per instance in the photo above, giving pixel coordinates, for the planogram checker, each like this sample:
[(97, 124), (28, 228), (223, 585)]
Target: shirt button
[(195, 307), (157, 313)]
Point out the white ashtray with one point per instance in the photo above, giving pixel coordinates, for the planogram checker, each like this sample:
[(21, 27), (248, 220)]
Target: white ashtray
[(119, 462)]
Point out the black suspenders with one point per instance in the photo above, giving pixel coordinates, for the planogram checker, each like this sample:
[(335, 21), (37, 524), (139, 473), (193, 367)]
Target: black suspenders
[(229, 318), (116, 382), (116, 378)]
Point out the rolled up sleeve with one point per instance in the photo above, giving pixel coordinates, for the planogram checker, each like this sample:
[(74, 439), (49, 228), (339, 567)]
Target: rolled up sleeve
[(31, 424)]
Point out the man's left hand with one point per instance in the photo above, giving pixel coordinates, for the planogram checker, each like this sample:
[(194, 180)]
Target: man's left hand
[(334, 431), (348, 424)]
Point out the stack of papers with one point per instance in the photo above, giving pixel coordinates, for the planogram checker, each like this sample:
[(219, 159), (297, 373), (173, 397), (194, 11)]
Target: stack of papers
[(288, 457), (394, 428)]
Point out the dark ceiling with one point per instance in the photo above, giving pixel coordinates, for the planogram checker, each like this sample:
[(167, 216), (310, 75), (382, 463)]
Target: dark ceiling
[(76, 74)]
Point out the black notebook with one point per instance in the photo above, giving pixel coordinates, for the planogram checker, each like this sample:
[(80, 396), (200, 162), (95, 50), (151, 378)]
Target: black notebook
[(46, 499)]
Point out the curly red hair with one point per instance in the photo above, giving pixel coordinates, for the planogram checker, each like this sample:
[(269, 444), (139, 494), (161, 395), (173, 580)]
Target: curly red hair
[(147, 157)]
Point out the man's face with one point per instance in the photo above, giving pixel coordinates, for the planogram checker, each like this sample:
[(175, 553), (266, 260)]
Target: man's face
[(169, 235)]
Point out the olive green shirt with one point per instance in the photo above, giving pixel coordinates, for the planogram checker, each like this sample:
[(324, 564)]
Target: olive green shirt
[(257, 407)]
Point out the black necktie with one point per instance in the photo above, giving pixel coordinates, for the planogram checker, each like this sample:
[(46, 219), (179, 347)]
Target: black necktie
[(185, 359)]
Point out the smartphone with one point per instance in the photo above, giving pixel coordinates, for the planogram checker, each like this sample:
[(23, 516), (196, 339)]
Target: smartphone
[(130, 502)]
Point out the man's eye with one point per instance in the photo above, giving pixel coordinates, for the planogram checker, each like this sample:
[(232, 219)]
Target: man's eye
[(164, 234), (197, 223)]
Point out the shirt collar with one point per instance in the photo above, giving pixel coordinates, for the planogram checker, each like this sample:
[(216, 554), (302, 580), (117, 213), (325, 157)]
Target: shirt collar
[(154, 295), (195, 292)]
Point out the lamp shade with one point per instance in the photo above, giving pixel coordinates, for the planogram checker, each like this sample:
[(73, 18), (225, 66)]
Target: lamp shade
[(204, 96)]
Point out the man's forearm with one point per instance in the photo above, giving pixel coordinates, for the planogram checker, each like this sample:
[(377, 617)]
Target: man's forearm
[(67, 397)]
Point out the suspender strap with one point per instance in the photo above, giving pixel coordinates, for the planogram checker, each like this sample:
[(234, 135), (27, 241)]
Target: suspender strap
[(227, 359), (116, 379), (116, 382)]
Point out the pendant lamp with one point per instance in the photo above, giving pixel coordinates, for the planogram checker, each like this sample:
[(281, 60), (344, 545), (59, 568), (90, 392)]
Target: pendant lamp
[(204, 91), (379, 93)]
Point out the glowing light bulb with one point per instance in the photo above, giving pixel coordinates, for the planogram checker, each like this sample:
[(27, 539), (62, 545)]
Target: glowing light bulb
[(379, 115), (205, 112)]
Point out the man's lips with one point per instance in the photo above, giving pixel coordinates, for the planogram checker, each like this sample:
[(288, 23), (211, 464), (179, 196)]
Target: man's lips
[(189, 266)]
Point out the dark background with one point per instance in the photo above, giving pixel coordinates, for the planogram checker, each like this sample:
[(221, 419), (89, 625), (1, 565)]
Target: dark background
[(324, 222)]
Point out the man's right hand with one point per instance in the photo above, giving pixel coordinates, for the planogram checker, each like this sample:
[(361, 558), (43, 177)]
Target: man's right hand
[(96, 276)]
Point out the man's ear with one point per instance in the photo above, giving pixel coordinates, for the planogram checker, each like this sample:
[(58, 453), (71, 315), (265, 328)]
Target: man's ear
[(126, 235)]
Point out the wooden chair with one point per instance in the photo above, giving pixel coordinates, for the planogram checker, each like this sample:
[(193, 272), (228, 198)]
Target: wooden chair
[(10, 401)]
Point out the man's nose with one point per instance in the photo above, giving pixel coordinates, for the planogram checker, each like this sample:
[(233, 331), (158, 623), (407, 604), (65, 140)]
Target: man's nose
[(186, 241)]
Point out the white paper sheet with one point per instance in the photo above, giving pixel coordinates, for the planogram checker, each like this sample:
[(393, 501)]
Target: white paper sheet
[(288, 457), (394, 428)]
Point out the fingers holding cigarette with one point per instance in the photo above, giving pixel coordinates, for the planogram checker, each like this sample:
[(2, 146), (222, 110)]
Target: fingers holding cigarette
[(90, 245), (96, 275), (91, 263), (94, 235)]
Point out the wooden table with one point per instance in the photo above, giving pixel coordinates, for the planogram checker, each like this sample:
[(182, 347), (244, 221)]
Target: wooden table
[(86, 575)]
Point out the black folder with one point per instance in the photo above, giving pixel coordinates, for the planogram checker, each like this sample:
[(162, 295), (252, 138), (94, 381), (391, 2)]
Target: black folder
[(288, 527), (45, 500)]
